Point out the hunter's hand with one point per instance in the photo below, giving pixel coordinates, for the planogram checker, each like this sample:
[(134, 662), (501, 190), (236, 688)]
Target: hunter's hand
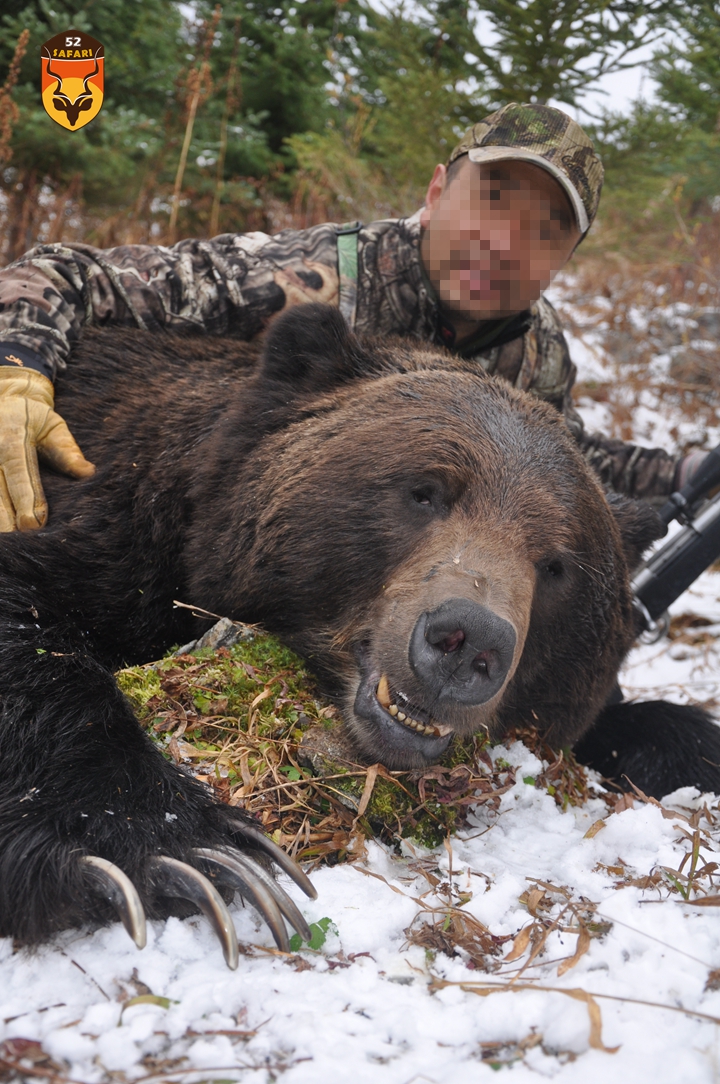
[(688, 467), (30, 427)]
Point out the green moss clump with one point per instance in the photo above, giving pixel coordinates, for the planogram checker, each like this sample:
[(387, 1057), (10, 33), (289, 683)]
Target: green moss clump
[(251, 724), (224, 684)]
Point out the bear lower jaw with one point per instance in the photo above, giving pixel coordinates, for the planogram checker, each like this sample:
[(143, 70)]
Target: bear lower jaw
[(429, 728), (383, 737), (387, 740)]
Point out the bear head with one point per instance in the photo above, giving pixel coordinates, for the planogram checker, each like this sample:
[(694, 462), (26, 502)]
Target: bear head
[(429, 538)]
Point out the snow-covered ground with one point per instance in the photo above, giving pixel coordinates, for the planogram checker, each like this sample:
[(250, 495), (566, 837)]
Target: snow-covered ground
[(638, 1002), (685, 670), (367, 1007)]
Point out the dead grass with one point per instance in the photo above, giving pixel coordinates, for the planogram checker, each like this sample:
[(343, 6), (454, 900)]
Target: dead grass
[(630, 314), (9, 112), (248, 721)]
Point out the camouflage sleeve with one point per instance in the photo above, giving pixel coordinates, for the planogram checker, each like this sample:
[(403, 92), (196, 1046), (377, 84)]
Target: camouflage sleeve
[(637, 472), (548, 371), (231, 285)]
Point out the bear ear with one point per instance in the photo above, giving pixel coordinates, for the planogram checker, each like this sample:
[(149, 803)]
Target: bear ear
[(639, 525), (310, 347)]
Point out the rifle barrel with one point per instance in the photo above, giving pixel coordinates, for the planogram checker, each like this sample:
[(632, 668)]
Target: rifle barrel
[(680, 561)]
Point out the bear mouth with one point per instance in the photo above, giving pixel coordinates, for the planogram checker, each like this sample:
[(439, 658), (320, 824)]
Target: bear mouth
[(402, 711), (398, 724)]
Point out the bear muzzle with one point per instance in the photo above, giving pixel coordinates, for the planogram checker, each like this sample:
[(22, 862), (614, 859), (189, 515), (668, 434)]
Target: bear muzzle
[(461, 653), (391, 732)]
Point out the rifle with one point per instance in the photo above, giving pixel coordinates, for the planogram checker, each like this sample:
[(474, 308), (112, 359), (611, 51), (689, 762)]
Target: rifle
[(677, 564)]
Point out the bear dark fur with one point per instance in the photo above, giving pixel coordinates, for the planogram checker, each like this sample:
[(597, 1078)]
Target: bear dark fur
[(383, 507)]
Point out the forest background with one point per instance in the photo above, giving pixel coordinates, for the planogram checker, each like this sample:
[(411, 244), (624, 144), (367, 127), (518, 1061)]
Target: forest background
[(257, 114), (261, 114)]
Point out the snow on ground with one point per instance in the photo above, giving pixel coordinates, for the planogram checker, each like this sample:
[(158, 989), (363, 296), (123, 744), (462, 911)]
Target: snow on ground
[(639, 1001), (686, 670), (368, 1008)]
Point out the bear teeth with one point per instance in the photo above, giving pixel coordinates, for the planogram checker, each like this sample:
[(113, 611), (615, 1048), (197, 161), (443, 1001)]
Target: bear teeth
[(383, 696), (433, 730), (383, 692), (420, 727), (442, 731)]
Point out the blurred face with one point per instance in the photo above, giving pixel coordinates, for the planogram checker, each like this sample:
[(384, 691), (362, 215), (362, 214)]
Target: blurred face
[(494, 237)]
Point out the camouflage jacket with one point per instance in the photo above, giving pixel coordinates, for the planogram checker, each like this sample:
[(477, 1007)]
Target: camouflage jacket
[(235, 283)]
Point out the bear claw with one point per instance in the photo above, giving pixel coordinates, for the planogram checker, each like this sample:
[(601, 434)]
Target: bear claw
[(237, 872), (280, 858), (176, 879), (108, 881), (244, 866), (286, 905), (227, 868)]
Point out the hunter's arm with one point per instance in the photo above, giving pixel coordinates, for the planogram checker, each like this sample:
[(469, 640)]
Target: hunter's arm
[(642, 473), (230, 285)]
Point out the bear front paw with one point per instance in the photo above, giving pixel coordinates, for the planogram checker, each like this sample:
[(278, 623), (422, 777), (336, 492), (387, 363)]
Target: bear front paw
[(227, 868)]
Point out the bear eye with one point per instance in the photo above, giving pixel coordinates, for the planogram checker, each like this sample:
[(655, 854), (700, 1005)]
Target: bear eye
[(554, 568), (422, 495)]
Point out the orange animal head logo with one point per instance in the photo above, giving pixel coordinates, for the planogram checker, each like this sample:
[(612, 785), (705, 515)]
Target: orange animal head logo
[(73, 68)]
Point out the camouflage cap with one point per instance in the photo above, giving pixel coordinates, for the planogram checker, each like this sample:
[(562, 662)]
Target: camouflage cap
[(549, 138)]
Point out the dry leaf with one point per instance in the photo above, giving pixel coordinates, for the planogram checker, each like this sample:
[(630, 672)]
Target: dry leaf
[(615, 871), (595, 1020), (148, 999), (449, 850), (668, 814), (533, 899), (540, 943), (595, 1038), (379, 877), (520, 944), (583, 944), (594, 829), (267, 691), (372, 774)]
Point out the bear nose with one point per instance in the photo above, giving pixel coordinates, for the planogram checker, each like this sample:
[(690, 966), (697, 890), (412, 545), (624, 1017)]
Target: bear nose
[(461, 651)]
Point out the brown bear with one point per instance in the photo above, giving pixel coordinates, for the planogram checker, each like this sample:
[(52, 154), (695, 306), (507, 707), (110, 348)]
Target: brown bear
[(428, 538)]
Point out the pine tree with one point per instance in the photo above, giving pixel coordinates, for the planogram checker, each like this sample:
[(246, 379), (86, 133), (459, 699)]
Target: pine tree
[(557, 49), (688, 74)]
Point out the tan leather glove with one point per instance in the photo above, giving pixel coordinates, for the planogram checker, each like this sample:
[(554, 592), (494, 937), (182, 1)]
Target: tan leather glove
[(30, 427)]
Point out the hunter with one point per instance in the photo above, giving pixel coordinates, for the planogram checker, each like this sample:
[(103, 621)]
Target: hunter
[(467, 271)]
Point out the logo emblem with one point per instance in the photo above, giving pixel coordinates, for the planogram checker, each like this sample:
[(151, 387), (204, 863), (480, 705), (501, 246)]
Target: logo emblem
[(73, 78)]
